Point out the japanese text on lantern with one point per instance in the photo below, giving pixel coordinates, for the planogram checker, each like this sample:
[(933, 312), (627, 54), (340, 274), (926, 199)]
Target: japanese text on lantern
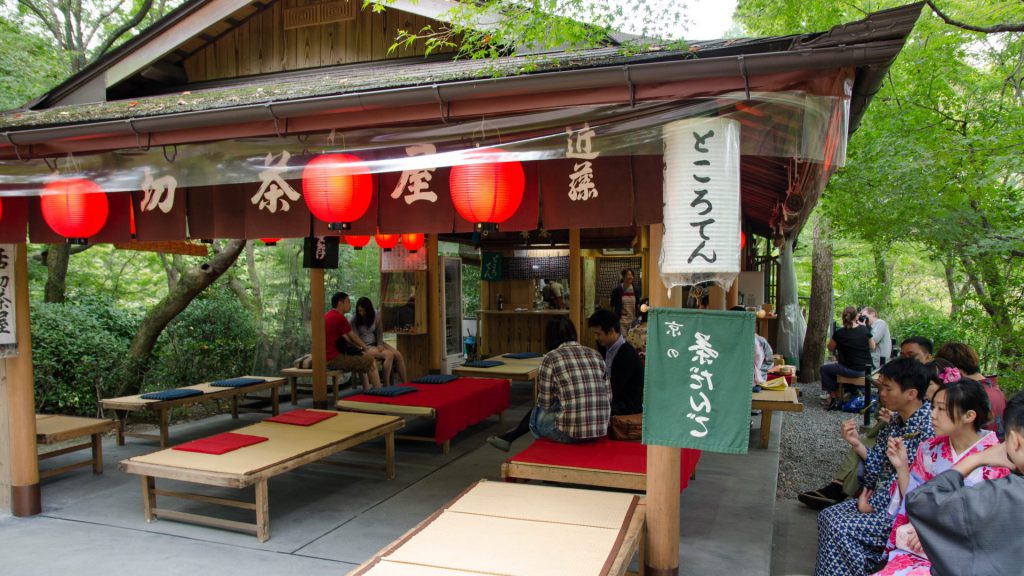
[(274, 192), (7, 323), (700, 193), (580, 146), (415, 184)]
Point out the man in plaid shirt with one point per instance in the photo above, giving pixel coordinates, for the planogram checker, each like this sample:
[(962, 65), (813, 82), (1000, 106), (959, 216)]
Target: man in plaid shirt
[(574, 400)]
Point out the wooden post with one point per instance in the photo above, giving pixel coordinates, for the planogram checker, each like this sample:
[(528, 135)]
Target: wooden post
[(435, 324), (662, 552), (18, 402), (732, 298), (316, 296), (716, 298), (575, 280)]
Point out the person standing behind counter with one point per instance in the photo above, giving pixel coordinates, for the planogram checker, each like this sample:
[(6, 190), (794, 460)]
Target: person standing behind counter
[(624, 301)]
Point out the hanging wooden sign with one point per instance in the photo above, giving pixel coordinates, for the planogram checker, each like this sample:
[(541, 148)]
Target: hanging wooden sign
[(8, 323)]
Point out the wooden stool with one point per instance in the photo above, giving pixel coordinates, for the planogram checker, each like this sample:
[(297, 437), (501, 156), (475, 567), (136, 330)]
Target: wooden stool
[(293, 374), (861, 382), (857, 381)]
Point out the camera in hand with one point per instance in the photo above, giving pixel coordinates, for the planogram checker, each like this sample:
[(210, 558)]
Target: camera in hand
[(862, 319)]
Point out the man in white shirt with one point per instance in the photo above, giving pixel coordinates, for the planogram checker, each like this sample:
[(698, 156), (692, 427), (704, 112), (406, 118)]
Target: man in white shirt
[(880, 334)]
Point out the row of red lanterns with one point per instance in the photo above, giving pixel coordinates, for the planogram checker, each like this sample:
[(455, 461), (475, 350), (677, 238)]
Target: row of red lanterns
[(387, 242), (338, 189)]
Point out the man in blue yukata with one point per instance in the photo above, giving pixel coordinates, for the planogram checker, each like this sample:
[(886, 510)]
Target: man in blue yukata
[(852, 534)]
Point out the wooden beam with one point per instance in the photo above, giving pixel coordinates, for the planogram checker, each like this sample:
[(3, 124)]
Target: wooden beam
[(662, 553), (435, 324), (19, 402), (202, 18), (575, 280), (316, 293)]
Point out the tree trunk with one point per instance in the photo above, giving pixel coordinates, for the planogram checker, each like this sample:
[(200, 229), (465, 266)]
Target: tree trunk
[(57, 256), (191, 283), (819, 315), (883, 278)]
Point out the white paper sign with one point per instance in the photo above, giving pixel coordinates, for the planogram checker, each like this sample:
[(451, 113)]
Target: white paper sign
[(702, 202), (8, 324)]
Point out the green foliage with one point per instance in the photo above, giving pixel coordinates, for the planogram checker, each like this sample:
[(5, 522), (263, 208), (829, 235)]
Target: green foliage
[(75, 348), (22, 50), (932, 188), (215, 337), (493, 28)]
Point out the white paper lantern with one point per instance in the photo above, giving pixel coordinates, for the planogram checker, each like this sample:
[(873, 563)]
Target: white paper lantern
[(702, 202)]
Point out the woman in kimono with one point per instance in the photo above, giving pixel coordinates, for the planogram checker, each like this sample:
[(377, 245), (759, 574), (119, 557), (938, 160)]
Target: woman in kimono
[(959, 411)]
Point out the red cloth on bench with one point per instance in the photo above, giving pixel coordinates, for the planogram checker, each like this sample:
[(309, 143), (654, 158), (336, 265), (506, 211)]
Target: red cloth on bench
[(220, 443), (458, 404), (301, 417), (603, 454)]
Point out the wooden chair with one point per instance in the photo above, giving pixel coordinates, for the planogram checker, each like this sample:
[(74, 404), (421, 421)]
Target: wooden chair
[(860, 382)]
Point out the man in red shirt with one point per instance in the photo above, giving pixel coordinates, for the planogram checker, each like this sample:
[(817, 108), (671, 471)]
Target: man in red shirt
[(339, 333)]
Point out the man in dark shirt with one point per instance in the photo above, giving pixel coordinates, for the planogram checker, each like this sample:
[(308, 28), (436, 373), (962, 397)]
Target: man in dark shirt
[(624, 365)]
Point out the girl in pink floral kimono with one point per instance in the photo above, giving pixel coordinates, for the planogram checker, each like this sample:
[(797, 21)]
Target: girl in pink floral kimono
[(959, 410)]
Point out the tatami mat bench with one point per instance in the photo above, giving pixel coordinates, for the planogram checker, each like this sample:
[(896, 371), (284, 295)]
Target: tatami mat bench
[(201, 393), (519, 530), (603, 463), (286, 447), (453, 406), (54, 428)]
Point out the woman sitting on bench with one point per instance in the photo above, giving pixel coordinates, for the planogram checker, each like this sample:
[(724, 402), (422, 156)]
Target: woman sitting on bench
[(367, 325), (852, 345), (574, 399)]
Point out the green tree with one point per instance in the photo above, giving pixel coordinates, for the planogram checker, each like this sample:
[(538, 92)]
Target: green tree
[(493, 28), (20, 51), (935, 164)]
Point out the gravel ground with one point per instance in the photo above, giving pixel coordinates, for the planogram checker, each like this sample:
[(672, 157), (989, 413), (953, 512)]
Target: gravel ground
[(811, 446)]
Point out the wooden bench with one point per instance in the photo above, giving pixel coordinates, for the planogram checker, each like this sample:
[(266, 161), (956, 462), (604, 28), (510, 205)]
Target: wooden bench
[(512, 369), (603, 463), (519, 530), (124, 405), (293, 375), (768, 401), (52, 428), (453, 406), (287, 447)]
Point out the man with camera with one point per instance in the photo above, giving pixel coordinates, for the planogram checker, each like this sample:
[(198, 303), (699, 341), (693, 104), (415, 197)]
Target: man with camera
[(879, 333)]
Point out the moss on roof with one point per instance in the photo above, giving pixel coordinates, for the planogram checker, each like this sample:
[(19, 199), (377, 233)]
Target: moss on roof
[(363, 77)]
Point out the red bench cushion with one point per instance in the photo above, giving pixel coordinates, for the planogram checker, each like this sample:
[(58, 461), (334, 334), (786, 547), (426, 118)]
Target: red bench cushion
[(458, 404), (603, 454)]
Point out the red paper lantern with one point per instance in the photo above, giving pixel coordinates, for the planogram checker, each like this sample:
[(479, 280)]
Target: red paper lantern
[(413, 242), (487, 193), (74, 208), (131, 219), (1, 209), (357, 242), (743, 240), (386, 241), (338, 189), (270, 241)]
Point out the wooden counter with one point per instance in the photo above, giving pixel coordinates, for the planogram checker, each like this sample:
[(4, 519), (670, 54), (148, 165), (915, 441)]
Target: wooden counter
[(503, 331)]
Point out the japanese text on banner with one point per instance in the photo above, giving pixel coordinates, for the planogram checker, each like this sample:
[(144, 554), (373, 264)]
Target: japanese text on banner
[(699, 373)]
